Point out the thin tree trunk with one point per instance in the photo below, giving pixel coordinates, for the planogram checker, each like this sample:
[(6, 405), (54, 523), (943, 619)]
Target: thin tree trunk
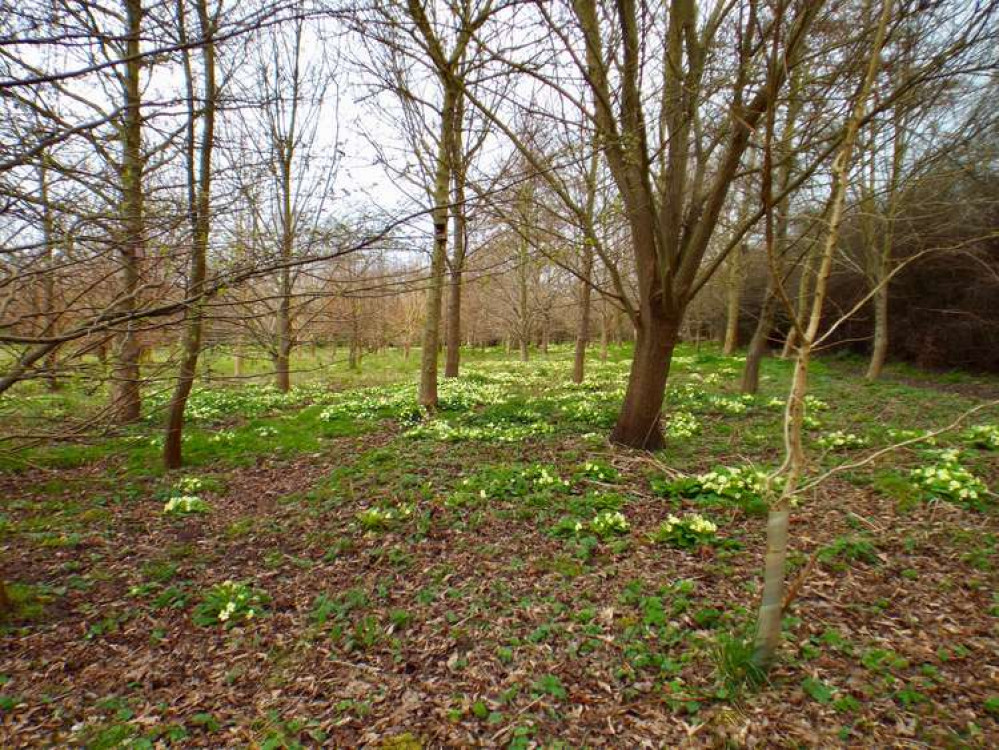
[(6, 605), (772, 603), (126, 398), (583, 332), (453, 335), (49, 288), (759, 344), (604, 338), (452, 358), (435, 291), (733, 294), (879, 353), (201, 212)]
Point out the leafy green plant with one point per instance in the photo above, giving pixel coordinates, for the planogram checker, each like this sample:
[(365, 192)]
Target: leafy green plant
[(742, 486), (984, 436), (549, 684), (598, 471), (949, 480), (610, 523), (688, 532), (852, 549), (186, 505), (230, 603)]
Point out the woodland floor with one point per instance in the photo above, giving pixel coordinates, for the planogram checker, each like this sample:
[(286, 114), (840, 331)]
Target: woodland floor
[(464, 616)]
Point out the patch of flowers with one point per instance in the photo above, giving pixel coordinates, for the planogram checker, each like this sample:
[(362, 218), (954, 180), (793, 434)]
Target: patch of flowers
[(188, 485), (499, 432), (230, 603), (686, 395), (839, 440), (949, 480), (815, 404), (984, 436), (376, 519), (371, 403), (214, 404), (744, 486), (186, 505), (504, 482), (609, 523), (901, 436), (691, 531), (590, 411), (682, 424), (266, 432), (598, 472), (223, 437), (733, 405)]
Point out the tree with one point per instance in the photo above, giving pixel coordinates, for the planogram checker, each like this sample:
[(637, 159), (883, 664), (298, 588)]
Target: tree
[(200, 207), (671, 173)]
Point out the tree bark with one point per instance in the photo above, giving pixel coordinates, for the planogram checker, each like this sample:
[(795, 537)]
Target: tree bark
[(759, 345), (49, 286), (583, 332), (638, 424), (435, 291), (126, 397), (733, 295), (879, 353), (453, 335)]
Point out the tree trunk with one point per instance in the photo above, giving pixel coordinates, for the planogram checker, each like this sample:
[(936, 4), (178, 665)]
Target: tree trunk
[(772, 602), (638, 424), (282, 372), (879, 353), (453, 334), (604, 338), (435, 291), (452, 357), (126, 397), (201, 214), (733, 298), (583, 332), (760, 343)]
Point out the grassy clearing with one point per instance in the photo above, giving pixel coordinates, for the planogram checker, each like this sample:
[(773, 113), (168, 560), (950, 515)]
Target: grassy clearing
[(500, 575)]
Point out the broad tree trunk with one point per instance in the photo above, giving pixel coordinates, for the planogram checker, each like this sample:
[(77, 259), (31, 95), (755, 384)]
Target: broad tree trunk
[(638, 424), (126, 397)]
